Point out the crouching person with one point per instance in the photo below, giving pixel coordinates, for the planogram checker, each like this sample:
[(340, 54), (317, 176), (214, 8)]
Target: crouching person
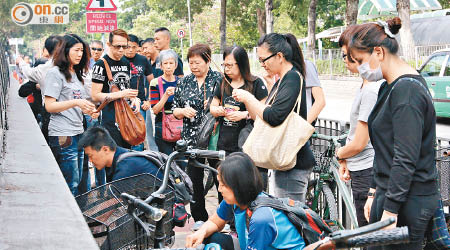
[(103, 152), (265, 228)]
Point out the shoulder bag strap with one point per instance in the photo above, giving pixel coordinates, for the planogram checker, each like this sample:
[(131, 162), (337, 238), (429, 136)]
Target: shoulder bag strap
[(110, 79)]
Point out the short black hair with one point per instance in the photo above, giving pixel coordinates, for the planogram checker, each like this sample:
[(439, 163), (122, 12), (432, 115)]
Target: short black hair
[(161, 29), (133, 38), (231, 171), (96, 138), (96, 42), (148, 40), (51, 43)]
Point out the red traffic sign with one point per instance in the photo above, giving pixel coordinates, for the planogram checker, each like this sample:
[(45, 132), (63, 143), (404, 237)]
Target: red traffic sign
[(99, 5), (181, 33), (100, 22)]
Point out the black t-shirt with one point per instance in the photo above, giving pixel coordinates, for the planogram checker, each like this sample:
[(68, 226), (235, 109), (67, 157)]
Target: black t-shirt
[(140, 69), (229, 131), (120, 71)]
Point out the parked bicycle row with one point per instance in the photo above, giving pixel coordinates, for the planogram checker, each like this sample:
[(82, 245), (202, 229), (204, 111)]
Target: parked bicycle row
[(263, 125)]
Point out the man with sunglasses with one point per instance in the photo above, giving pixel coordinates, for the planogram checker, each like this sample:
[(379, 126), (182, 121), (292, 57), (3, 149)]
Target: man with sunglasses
[(120, 70), (96, 52)]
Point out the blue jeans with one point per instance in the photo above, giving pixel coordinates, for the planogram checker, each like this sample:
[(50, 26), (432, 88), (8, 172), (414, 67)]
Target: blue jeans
[(140, 147), (150, 138), (70, 160)]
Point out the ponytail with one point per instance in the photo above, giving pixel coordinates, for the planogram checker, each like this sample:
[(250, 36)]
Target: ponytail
[(297, 55)]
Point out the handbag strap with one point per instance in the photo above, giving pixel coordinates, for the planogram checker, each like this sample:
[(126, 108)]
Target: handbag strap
[(299, 97), (110, 79), (161, 88)]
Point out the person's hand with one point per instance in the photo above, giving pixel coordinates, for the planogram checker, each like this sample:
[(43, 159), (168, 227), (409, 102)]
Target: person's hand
[(344, 173), (241, 95), (195, 239), (38, 86), (169, 91), (128, 93), (145, 105), (189, 112), (27, 59), (19, 60), (236, 116), (86, 106), (94, 114), (218, 111), (136, 105), (367, 207), (386, 215)]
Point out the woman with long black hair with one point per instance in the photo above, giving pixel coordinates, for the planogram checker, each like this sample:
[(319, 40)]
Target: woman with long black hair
[(65, 99), (233, 114), (281, 55)]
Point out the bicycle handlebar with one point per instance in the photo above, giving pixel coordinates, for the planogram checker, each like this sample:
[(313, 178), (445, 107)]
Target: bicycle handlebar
[(155, 214), (330, 138)]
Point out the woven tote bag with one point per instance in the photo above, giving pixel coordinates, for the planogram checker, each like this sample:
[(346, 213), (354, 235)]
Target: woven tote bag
[(277, 147)]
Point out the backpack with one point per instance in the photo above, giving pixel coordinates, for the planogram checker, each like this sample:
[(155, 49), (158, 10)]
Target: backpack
[(179, 180), (307, 222)]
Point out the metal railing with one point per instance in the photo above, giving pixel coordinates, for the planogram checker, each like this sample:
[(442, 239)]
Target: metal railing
[(4, 86)]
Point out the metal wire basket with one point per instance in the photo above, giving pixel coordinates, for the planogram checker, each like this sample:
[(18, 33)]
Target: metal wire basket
[(111, 225), (443, 167)]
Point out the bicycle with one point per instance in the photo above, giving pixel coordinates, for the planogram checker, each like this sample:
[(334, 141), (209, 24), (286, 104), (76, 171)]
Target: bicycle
[(118, 216), (321, 195)]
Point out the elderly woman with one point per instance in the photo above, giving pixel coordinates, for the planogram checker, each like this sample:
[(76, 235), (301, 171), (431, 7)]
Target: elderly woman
[(189, 102), (163, 103)]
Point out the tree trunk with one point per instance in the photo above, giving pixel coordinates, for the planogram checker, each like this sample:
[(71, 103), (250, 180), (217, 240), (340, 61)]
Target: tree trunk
[(407, 40), (261, 17), (223, 25), (312, 25), (351, 14), (269, 16)]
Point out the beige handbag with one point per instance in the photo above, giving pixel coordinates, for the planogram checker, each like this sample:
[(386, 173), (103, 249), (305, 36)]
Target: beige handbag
[(277, 147)]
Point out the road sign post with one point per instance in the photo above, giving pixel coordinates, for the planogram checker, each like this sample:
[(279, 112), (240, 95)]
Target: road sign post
[(181, 33)]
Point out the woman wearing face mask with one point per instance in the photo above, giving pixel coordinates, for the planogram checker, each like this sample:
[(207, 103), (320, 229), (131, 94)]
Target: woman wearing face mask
[(357, 154), (281, 55), (189, 102), (402, 130), (169, 60), (234, 114), (65, 99)]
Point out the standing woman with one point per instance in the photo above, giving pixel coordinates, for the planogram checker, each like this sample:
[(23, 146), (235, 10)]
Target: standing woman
[(281, 55), (402, 129), (169, 60), (189, 102), (357, 154), (65, 99), (233, 113)]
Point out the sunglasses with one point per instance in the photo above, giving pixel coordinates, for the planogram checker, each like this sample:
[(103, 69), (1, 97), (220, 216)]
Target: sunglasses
[(96, 49), (120, 46)]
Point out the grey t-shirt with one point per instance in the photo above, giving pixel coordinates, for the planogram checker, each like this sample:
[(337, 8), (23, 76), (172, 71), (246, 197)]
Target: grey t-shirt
[(363, 104), (68, 122), (311, 80)]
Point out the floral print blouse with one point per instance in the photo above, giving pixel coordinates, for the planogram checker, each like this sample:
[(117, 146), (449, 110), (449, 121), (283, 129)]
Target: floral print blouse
[(188, 94)]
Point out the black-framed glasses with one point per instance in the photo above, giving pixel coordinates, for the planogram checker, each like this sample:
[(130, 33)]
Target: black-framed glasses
[(228, 65), (267, 58), (120, 46), (344, 56), (97, 49)]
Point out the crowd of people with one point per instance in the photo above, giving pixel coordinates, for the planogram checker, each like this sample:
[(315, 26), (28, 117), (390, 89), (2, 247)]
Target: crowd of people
[(389, 154)]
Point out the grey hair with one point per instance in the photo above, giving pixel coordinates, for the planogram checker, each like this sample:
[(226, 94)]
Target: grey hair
[(168, 54)]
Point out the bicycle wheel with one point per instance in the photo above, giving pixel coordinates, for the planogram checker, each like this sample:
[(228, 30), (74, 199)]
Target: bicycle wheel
[(323, 203), (208, 181), (331, 203)]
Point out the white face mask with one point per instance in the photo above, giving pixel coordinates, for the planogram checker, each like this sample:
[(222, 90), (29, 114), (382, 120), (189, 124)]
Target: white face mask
[(369, 74)]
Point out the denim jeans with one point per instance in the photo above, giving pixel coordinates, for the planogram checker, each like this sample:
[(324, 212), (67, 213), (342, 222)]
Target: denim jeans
[(140, 147), (70, 160), (150, 138), (292, 183)]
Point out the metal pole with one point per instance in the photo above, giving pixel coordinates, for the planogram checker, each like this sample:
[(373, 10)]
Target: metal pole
[(181, 41), (189, 17)]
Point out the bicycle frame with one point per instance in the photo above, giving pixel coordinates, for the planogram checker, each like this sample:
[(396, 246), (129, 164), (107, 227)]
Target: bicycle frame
[(334, 168)]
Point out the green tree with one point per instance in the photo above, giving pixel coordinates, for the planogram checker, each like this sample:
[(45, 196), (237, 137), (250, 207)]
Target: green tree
[(130, 10), (178, 8)]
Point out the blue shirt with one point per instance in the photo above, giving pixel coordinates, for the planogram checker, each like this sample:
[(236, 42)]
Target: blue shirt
[(134, 165), (268, 228)]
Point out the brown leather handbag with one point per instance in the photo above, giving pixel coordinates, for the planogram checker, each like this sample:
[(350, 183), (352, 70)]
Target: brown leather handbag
[(131, 125)]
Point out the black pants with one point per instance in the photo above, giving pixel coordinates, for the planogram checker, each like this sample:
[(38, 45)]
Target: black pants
[(360, 187), (415, 213), (225, 241)]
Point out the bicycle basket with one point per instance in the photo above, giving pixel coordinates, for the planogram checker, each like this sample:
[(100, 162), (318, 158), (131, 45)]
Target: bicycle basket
[(443, 167), (111, 225)]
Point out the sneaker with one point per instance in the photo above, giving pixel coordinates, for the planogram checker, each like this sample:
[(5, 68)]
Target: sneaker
[(197, 225)]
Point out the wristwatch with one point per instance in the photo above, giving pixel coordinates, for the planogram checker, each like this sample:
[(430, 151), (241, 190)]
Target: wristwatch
[(370, 194)]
